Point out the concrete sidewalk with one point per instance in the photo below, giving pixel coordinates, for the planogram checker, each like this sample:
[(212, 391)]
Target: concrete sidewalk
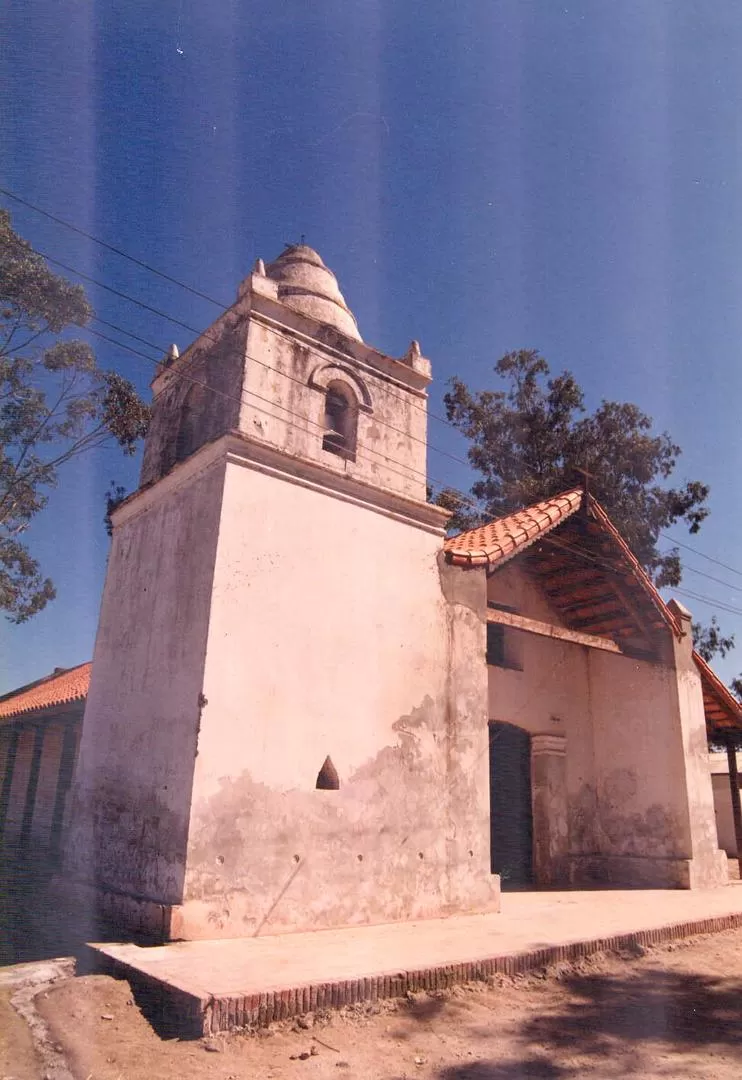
[(207, 986)]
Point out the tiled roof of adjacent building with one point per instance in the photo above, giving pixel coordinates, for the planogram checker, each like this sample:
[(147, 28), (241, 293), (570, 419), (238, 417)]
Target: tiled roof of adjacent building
[(723, 711), (593, 573), (499, 540), (59, 688)]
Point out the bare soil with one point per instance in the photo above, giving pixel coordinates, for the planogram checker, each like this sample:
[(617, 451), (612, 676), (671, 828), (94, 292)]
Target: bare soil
[(17, 1055), (662, 1014)]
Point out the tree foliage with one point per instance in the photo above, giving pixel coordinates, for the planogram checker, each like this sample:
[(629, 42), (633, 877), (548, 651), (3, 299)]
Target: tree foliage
[(529, 438), (55, 404), (708, 641)]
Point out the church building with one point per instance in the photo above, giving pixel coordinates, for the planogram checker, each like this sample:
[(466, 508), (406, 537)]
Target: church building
[(308, 708)]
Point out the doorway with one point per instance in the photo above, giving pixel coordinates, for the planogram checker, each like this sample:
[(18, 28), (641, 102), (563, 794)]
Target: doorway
[(511, 820)]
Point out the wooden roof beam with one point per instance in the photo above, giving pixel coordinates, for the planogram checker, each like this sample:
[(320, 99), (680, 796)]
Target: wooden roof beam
[(561, 633)]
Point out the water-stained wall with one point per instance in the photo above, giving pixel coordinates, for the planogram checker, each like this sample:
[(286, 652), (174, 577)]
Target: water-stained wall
[(336, 631), (284, 403), (199, 399), (628, 745), (131, 798)]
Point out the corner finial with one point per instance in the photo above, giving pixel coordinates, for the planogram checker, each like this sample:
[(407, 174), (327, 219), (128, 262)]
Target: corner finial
[(413, 353), (172, 354), (259, 268)]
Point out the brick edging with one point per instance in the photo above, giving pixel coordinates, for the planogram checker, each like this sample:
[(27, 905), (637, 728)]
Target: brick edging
[(196, 1017)]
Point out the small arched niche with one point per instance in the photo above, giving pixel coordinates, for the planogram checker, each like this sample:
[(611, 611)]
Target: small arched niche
[(188, 436), (327, 777), (340, 420)]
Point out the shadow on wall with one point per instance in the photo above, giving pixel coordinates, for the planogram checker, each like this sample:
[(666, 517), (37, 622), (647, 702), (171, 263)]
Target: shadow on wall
[(34, 923)]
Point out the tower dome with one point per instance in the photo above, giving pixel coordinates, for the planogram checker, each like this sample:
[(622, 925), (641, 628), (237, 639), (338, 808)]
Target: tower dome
[(306, 285)]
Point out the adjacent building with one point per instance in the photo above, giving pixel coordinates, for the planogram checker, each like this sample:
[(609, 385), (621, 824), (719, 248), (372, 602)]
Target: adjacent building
[(40, 727)]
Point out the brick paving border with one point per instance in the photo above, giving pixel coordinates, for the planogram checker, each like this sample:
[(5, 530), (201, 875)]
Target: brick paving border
[(190, 1016)]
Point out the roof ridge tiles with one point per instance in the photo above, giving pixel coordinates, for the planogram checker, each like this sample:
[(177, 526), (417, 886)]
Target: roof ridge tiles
[(66, 686)]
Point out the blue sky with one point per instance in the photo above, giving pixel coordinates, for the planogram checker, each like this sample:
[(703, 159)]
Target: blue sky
[(482, 176)]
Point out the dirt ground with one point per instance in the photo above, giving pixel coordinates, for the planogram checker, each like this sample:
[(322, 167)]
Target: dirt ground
[(663, 1014), (17, 1057)]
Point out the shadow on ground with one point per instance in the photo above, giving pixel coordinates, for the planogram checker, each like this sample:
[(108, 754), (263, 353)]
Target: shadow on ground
[(34, 925), (609, 1022)]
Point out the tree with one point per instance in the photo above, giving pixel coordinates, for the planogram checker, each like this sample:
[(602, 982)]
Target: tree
[(55, 404), (528, 439), (708, 641)]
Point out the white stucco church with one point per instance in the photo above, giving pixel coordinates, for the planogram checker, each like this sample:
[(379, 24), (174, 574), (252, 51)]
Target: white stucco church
[(309, 708)]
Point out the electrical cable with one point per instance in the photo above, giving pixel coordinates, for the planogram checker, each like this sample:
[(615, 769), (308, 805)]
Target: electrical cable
[(210, 299)]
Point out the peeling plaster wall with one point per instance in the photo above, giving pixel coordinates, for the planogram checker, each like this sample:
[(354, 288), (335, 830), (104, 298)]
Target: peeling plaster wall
[(635, 743), (637, 802), (723, 802), (330, 635), (709, 866), (129, 818), (391, 438), (200, 397)]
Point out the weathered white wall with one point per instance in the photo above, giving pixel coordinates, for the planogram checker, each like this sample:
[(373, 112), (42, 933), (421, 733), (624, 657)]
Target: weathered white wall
[(709, 866), (331, 635), (638, 800), (281, 407), (723, 802), (131, 796), (199, 399), (637, 785)]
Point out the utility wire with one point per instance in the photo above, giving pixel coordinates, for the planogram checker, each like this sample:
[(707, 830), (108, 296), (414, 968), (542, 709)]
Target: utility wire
[(603, 564), (299, 382), (152, 270), (697, 552), (410, 472), (109, 247), (719, 581), (210, 299), (206, 334)]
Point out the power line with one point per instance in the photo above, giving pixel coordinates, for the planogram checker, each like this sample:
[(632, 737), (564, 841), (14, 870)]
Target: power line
[(167, 277), (719, 581), (210, 299), (603, 564), (299, 382), (109, 247), (720, 604), (206, 334), (135, 337), (193, 330), (410, 472), (703, 556)]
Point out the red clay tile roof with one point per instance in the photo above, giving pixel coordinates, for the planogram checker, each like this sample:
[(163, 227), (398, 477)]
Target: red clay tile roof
[(598, 514), (499, 540), (723, 711), (55, 689)]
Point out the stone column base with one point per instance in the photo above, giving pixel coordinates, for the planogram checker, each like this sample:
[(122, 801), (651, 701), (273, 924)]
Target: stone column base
[(131, 915), (636, 872), (628, 872), (709, 871)]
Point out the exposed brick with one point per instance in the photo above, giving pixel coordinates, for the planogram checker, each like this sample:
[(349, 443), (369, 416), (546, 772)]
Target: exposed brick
[(196, 1016)]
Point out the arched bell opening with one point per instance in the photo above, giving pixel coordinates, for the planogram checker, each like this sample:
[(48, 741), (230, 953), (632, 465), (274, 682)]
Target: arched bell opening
[(340, 420)]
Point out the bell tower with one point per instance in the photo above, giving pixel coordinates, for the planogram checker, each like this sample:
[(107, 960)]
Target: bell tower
[(286, 370), (278, 733)]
